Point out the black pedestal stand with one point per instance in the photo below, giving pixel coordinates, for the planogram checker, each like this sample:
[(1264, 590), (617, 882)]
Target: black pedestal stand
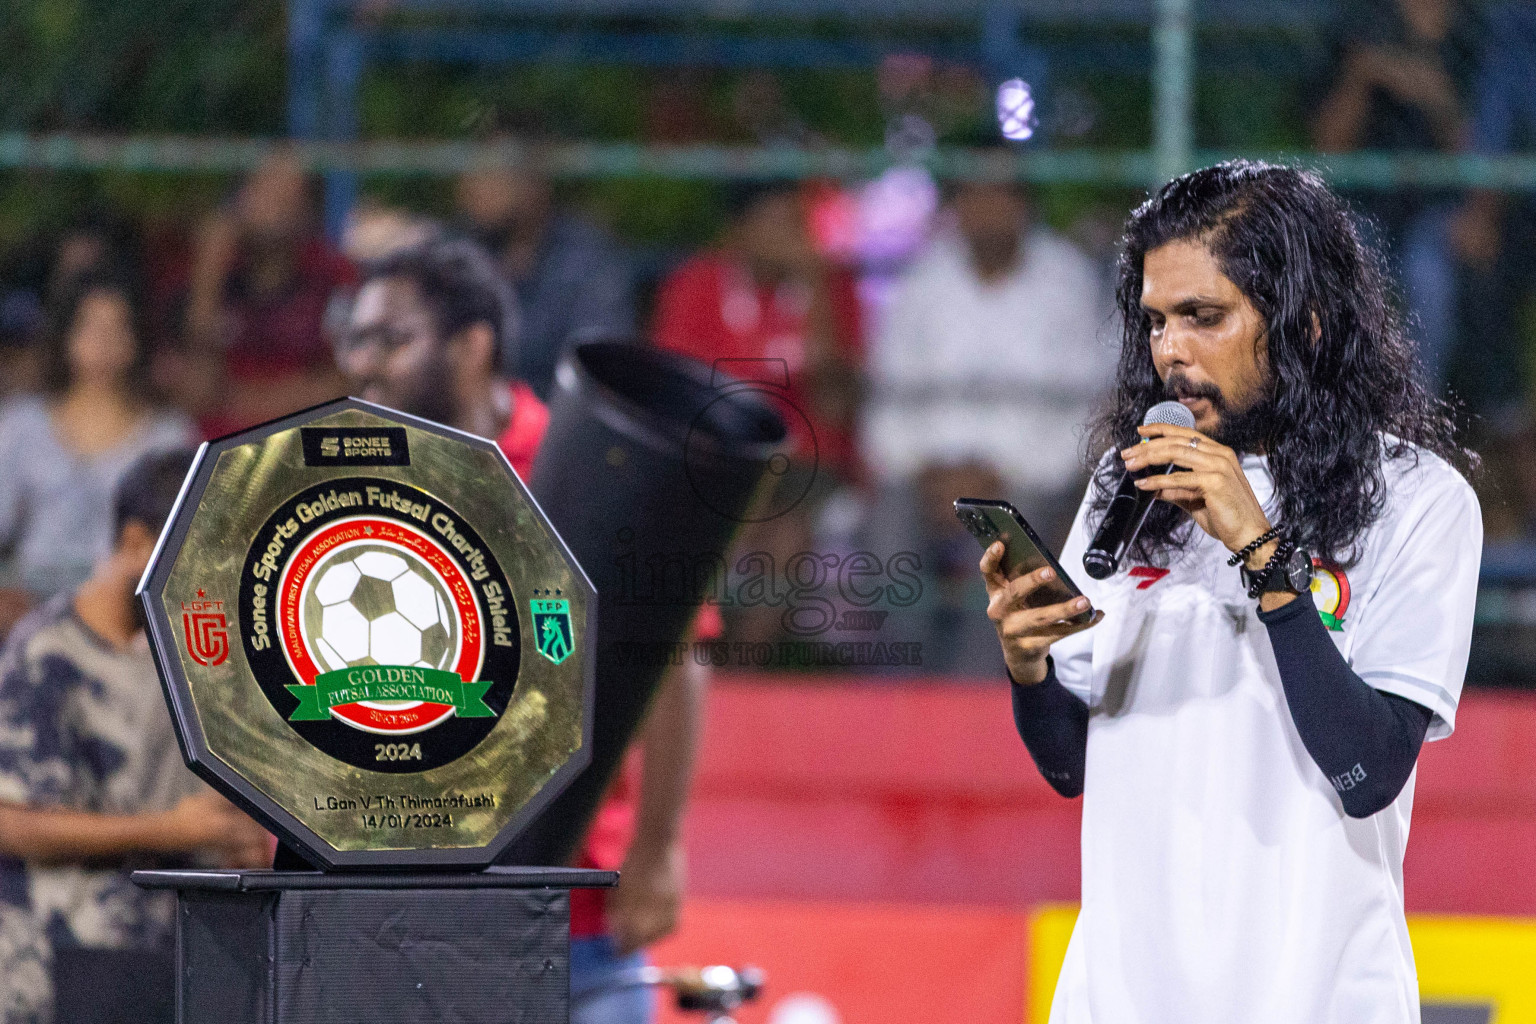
[(305, 947)]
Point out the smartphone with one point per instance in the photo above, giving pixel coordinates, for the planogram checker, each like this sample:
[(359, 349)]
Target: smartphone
[(1023, 550)]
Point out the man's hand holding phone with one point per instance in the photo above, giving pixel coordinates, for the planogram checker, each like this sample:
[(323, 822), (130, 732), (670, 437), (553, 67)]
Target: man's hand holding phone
[(1027, 632)]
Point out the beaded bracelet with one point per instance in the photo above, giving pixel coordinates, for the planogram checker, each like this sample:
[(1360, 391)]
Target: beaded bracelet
[(1254, 545), (1257, 581)]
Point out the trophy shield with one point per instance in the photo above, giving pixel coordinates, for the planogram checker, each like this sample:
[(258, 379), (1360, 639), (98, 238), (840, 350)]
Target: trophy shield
[(372, 639)]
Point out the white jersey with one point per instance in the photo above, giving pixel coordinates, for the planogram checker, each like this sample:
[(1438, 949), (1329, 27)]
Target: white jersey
[(1222, 880)]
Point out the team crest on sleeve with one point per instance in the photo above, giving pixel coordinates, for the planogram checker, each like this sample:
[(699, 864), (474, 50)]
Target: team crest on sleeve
[(1330, 592), (371, 609)]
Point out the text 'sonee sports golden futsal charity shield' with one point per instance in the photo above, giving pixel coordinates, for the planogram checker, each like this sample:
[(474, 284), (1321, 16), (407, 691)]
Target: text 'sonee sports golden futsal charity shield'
[(371, 637)]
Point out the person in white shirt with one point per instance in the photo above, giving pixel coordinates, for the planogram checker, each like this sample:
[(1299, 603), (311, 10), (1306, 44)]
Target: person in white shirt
[(991, 337), (1245, 711), (983, 375)]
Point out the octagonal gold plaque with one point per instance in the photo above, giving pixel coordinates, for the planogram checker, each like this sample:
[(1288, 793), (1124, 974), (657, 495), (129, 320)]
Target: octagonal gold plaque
[(371, 638)]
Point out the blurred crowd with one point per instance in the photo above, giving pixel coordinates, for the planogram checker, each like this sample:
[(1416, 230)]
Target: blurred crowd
[(1442, 76), (912, 336), (930, 339)]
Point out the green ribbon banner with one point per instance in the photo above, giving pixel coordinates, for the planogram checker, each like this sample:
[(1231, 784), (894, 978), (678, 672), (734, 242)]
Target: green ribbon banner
[(389, 682)]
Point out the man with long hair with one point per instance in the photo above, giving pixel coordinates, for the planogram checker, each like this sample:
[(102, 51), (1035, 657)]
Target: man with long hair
[(1244, 714)]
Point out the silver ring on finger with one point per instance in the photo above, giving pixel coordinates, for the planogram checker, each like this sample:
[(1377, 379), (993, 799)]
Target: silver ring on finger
[(1194, 442)]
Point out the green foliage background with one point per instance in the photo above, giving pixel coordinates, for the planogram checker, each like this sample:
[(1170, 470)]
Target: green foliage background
[(218, 67)]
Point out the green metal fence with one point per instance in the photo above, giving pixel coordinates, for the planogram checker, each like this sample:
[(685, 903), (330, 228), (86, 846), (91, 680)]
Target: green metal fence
[(1174, 61), (68, 152)]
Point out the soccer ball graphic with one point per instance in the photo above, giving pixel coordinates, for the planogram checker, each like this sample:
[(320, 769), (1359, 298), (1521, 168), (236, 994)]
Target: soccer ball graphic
[(375, 604)]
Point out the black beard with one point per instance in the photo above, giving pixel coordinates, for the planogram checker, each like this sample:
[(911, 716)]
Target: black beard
[(433, 396), (429, 395), (494, 237), (1242, 430), (499, 237), (1247, 430)]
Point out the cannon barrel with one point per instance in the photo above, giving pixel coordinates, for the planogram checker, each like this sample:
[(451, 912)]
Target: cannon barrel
[(650, 463)]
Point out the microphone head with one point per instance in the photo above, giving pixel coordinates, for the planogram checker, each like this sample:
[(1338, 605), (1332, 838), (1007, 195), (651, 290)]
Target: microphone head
[(1175, 414), (1101, 565)]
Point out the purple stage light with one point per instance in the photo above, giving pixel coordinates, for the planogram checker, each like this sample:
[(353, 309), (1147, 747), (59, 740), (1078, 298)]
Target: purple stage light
[(1016, 110)]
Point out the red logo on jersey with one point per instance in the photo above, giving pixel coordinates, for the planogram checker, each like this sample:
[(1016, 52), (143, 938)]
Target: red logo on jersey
[(206, 630), (1147, 575)]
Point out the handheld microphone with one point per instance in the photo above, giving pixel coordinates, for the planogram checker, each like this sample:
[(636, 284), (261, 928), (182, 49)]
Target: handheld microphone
[(1129, 507)]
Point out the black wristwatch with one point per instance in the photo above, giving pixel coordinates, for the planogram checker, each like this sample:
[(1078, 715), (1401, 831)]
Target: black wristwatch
[(1288, 571)]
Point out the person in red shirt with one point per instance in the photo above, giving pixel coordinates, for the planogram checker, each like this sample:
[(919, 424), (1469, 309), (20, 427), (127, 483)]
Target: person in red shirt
[(260, 282), (425, 337), (767, 296), (767, 307)]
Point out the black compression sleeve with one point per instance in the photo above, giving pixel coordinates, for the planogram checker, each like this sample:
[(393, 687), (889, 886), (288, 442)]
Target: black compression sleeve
[(1365, 741), (1053, 723)]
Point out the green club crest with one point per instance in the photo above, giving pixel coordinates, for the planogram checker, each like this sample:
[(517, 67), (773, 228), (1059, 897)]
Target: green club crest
[(552, 628)]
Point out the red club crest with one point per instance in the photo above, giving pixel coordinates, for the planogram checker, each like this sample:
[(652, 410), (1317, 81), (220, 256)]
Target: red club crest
[(207, 632)]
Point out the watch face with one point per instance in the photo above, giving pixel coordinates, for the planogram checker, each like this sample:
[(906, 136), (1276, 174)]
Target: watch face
[(1298, 571)]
